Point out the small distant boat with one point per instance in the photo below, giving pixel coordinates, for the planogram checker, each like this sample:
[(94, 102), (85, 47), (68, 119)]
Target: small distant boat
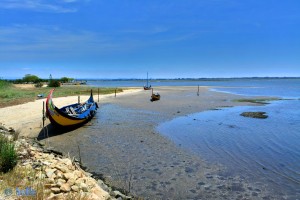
[(146, 87), (155, 97), (71, 115)]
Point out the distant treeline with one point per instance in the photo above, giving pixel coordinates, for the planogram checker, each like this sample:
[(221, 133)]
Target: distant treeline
[(193, 79), (33, 79), (29, 78)]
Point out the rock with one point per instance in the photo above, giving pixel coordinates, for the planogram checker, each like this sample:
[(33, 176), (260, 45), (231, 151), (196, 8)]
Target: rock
[(100, 193), (67, 176), (91, 182), (83, 187), (65, 187), (62, 168), (55, 190), (3, 128), (118, 194), (75, 188), (59, 174), (78, 173), (59, 196), (80, 180), (60, 182), (103, 186), (50, 172), (71, 181)]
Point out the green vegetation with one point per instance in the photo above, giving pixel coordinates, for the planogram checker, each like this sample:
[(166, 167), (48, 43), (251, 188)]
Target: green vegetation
[(54, 83), (11, 94), (8, 154), (66, 79), (38, 85), (29, 78), (260, 115), (258, 101)]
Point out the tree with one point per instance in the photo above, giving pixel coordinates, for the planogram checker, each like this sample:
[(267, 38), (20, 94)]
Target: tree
[(66, 79), (29, 78), (54, 83)]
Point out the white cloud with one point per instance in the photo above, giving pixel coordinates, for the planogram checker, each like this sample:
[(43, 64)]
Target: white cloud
[(22, 41), (38, 5)]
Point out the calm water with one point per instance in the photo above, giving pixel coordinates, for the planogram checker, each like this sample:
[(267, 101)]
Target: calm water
[(225, 83), (266, 151)]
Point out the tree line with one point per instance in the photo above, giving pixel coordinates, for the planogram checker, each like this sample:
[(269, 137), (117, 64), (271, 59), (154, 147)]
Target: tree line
[(30, 78)]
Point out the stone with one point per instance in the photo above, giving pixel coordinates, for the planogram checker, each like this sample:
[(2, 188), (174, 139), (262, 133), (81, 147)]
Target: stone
[(62, 168), (78, 173), (103, 186), (80, 180), (65, 187), (100, 193), (75, 188), (55, 190), (50, 172), (67, 176), (91, 182), (60, 182), (71, 181), (83, 187), (93, 197), (59, 174), (59, 196), (118, 194)]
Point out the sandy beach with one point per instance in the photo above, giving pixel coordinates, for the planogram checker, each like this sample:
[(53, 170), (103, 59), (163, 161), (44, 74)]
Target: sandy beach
[(27, 118), (122, 144)]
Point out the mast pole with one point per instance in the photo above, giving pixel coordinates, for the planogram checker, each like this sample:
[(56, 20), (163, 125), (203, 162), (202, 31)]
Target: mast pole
[(147, 79)]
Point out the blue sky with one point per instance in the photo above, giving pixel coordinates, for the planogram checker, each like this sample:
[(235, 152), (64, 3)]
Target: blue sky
[(169, 38)]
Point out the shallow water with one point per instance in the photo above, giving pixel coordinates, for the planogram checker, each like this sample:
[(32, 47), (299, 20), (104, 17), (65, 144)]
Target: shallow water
[(263, 150)]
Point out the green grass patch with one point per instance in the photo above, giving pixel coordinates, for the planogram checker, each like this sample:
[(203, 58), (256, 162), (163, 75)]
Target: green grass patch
[(13, 95), (8, 154), (257, 101)]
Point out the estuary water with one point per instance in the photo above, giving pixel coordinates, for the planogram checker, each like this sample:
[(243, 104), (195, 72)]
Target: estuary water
[(264, 151)]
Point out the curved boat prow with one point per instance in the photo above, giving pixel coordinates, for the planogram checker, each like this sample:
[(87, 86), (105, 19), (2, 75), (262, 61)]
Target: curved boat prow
[(70, 115)]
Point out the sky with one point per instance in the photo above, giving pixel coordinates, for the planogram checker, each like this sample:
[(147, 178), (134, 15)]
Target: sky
[(167, 38)]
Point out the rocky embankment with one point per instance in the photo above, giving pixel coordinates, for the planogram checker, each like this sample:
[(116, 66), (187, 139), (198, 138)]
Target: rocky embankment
[(61, 177)]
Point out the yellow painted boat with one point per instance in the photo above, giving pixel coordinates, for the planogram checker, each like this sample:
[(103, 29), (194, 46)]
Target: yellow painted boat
[(71, 115)]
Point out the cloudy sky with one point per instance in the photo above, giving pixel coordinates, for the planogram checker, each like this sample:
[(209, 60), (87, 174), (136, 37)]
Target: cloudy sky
[(167, 38)]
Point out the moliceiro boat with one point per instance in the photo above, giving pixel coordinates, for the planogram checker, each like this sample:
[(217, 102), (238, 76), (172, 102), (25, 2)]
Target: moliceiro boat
[(71, 115)]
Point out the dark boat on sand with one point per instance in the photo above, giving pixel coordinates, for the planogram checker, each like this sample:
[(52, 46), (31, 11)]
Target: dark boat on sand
[(71, 115), (155, 97)]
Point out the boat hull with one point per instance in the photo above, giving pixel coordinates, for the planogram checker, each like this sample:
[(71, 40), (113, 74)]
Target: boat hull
[(60, 118), (155, 97)]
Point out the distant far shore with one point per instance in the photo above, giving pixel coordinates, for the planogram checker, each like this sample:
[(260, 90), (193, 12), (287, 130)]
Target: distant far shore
[(172, 79)]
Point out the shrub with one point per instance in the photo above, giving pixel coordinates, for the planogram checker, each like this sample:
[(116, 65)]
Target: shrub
[(38, 85), (54, 83), (8, 154)]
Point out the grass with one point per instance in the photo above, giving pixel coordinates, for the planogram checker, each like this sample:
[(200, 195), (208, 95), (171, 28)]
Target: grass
[(12, 95), (8, 154), (22, 177), (257, 101), (260, 115)]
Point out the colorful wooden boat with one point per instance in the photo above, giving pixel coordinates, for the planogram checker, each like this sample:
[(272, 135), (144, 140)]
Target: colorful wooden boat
[(155, 97), (71, 115)]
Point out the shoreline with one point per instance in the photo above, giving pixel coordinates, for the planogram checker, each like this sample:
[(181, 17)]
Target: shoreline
[(123, 145), (27, 118), (118, 137)]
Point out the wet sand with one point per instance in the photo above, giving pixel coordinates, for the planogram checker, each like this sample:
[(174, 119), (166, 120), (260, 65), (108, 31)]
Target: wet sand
[(123, 145)]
